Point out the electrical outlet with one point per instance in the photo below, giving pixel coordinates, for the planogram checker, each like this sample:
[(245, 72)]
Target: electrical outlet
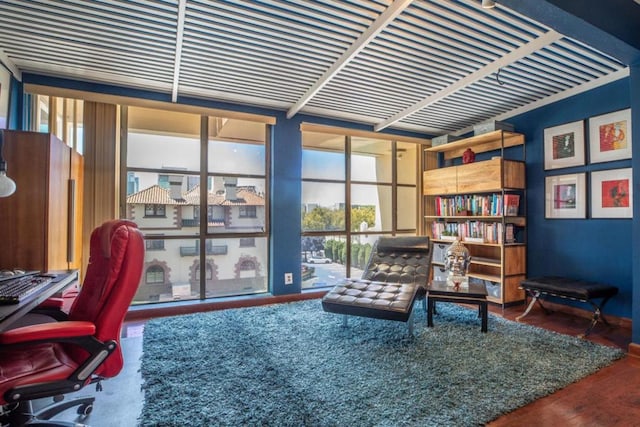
[(288, 278)]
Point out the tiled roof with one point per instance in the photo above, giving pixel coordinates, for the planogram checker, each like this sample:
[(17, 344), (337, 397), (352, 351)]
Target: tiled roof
[(193, 196), (245, 196), (154, 195)]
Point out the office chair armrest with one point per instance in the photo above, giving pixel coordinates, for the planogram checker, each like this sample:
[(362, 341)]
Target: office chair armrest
[(57, 331), (51, 303)]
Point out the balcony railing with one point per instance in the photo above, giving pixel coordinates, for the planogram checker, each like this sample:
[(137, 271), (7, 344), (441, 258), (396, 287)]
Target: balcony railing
[(195, 250)]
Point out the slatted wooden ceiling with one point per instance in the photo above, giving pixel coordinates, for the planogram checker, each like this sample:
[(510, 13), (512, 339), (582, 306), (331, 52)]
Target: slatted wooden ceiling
[(432, 66)]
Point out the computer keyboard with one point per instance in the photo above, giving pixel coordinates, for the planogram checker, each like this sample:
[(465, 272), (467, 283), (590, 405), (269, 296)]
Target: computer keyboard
[(16, 289)]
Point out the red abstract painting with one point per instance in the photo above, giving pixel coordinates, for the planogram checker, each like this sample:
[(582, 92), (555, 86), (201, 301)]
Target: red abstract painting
[(615, 193), (613, 136)]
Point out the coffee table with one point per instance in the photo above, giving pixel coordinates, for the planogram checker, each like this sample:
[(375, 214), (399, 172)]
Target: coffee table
[(475, 294)]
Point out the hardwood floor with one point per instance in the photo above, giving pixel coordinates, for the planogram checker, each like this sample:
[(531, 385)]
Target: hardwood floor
[(610, 397)]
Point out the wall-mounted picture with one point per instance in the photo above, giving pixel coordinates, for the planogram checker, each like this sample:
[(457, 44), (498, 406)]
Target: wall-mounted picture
[(564, 145), (566, 196), (612, 194), (610, 137)]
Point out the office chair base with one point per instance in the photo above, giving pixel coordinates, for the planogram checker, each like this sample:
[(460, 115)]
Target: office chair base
[(84, 404), (23, 414)]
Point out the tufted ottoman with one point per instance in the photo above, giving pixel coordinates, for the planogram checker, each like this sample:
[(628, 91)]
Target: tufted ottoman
[(396, 274)]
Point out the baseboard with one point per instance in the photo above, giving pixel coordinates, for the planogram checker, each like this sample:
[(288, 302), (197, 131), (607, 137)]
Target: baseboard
[(622, 322), (634, 350), (151, 311)]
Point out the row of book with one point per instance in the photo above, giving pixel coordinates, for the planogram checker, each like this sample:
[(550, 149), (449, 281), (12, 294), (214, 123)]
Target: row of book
[(478, 205), (486, 232)]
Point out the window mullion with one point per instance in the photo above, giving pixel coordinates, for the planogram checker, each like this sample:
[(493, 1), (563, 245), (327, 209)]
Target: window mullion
[(204, 218)]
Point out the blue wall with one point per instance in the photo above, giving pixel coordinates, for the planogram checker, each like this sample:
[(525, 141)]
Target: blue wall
[(590, 249), (634, 93)]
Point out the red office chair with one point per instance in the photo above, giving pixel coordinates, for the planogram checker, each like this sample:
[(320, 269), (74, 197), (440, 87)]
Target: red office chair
[(60, 357)]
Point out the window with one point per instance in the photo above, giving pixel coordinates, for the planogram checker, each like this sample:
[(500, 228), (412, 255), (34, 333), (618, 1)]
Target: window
[(354, 190), (154, 274), (154, 245), (247, 266), (165, 185), (154, 210), (248, 242), (61, 116), (208, 274), (163, 181), (248, 212)]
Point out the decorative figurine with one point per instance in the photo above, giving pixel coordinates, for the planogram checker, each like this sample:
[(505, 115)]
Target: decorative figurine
[(456, 262), (468, 156)]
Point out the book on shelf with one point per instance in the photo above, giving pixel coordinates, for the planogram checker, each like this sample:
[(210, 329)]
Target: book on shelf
[(472, 231), (510, 236), (473, 205), (511, 204)]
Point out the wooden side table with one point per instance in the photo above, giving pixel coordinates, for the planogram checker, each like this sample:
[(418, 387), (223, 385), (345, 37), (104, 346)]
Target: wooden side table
[(474, 294)]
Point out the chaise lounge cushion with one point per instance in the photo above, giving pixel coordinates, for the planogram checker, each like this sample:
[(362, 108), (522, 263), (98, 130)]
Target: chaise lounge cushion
[(397, 272)]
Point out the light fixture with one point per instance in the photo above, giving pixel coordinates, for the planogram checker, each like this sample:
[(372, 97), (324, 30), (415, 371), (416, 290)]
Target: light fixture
[(7, 185), (488, 4)]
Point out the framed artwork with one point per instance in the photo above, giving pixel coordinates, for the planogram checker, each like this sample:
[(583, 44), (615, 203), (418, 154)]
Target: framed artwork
[(5, 83), (564, 145), (612, 194), (565, 196), (610, 136)]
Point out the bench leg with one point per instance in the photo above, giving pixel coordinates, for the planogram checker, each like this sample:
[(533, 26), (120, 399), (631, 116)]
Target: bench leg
[(534, 297), (597, 315)]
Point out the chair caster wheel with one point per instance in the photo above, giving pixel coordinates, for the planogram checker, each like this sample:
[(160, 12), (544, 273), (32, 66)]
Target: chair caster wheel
[(85, 409)]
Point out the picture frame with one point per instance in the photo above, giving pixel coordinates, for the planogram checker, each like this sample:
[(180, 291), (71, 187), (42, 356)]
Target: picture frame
[(564, 145), (612, 193), (565, 196), (5, 88), (610, 136)]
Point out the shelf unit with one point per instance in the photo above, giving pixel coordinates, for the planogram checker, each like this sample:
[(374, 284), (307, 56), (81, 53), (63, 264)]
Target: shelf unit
[(496, 259)]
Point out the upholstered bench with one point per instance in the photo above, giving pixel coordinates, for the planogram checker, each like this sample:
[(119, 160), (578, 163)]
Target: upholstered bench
[(396, 274), (564, 287)]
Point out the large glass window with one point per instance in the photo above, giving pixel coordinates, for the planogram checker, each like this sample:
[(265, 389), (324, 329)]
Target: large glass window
[(375, 178), (165, 186), (61, 116)]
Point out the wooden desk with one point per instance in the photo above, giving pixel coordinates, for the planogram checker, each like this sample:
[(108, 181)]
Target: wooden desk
[(10, 313)]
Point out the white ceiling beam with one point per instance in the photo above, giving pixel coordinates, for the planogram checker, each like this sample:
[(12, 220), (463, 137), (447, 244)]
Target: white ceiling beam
[(481, 73), (396, 8), (10, 65), (576, 90), (182, 8)]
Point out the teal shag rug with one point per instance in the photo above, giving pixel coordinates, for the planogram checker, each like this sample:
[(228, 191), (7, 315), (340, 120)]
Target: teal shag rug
[(295, 365)]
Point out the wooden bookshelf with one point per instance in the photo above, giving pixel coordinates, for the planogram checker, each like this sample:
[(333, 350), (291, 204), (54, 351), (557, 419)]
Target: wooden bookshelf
[(501, 263)]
